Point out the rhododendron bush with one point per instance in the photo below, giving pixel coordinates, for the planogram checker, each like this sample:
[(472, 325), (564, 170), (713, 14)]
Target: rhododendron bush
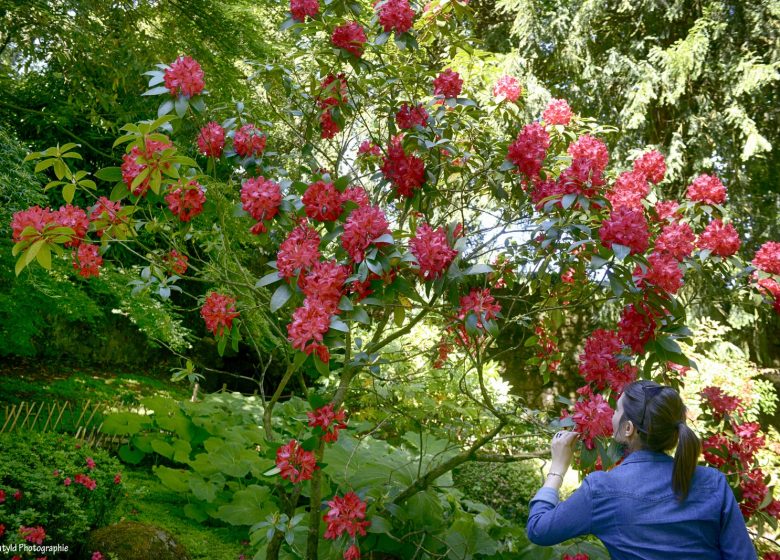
[(391, 189)]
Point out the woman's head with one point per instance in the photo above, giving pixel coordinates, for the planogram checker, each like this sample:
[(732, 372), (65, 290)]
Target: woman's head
[(651, 416)]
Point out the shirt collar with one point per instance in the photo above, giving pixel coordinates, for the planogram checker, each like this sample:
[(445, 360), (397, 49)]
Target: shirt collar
[(644, 456)]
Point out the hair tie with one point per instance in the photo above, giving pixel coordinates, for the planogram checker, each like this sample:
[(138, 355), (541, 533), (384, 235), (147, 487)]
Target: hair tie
[(680, 424)]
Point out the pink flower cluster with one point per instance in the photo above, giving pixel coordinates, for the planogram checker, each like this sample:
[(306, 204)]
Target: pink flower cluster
[(720, 402), (106, 213), (299, 252), (249, 141), (184, 77), (138, 160), (707, 189), (557, 112), (87, 260), (218, 312), (432, 251), (85, 481), (405, 171), (328, 421), (351, 37), (768, 257), (676, 239), (369, 148), (32, 534), (630, 189), (589, 158), (637, 326), (652, 165), (262, 198), (599, 362), (211, 140), (448, 84), (626, 227), (186, 199), (481, 303), (299, 9), (322, 202), (528, 151), (507, 87), (411, 116), (346, 515), (592, 417), (362, 227), (664, 272), (295, 463), (722, 239), (395, 15)]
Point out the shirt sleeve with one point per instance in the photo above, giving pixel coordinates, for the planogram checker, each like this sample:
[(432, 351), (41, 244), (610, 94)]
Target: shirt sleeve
[(735, 542), (551, 522)]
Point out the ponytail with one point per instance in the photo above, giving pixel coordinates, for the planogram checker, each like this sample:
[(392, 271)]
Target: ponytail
[(685, 459), (658, 413)]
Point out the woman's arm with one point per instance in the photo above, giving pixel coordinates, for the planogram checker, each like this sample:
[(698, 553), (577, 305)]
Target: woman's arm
[(735, 543), (549, 521)]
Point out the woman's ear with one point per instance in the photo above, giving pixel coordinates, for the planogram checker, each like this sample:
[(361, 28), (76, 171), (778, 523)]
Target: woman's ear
[(629, 429)]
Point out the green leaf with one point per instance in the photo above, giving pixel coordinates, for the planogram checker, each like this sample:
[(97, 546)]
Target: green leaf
[(268, 279), (280, 297), (165, 107), (175, 479), (670, 345), (181, 105), (68, 191), (130, 454), (44, 257), (621, 251), (249, 506), (119, 191), (125, 423), (479, 268), (109, 174), (156, 91)]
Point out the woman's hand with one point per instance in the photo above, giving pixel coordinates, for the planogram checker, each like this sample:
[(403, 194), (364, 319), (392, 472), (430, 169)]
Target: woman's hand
[(562, 448)]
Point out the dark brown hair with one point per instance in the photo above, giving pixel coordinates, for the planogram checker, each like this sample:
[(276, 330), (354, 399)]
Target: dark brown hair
[(658, 414)]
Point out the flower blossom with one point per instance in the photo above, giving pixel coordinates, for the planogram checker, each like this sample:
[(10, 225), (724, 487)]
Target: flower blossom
[(184, 77), (218, 312), (328, 421), (448, 84), (249, 141), (528, 151), (707, 189), (507, 88), (432, 251), (300, 251), (557, 112), (211, 140), (186, 200), (295, 463), (363, 226), (722, 239), (351, 37), (262, 198)]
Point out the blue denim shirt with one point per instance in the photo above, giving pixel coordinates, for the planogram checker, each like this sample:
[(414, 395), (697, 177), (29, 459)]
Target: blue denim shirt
[(634, 512)]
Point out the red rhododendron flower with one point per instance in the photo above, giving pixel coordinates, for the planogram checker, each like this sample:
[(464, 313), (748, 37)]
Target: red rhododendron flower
[(90, 463), (85, 481), (18, 495), (720, 402), (716, 442), (249, 141), (557, 112), (589, 160), (754, 490), (295, 463), (677, 240), (300, 251), (481, 303), (448, 84), (432, 251), (176, 262), (363, 226), (262, 198), (405, 171), (722, 239), (328, 127), (211, 140), (333, 91), (186, 200), (599, 362), (547, 348), (769, 286), (299, 9), (443, 351), (322, 202), (138, 160), (409, 117), (368, 147), (308, 326), (395, 15), (768, 258), (106, 212), (592, 418), (35, 217), (87, 260), (668, 210), (630, 189), (528, 151), (346, 515), (74, 218), (664, 272), (219, 311), (118, 478), (67, 481), (184, 76), (325, 283), (355, 194), (97, 555), (625, 227), (652, 165), (637, 326), (352, 553), (351, 37), (328, 421), (32, 534), (507, 87), (771, 555), (707, 189)]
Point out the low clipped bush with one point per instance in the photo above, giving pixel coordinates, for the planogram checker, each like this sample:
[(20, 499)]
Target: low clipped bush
[(53, 491), (506, 487)]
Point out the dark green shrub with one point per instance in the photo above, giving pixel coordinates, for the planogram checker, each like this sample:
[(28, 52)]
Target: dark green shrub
[(506, 487), (45, 469)]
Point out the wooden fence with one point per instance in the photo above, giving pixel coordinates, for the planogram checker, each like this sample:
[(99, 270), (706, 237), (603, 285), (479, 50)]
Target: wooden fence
[(84, 421)]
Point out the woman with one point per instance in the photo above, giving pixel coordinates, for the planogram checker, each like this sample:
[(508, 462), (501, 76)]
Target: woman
[(652, 505)]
